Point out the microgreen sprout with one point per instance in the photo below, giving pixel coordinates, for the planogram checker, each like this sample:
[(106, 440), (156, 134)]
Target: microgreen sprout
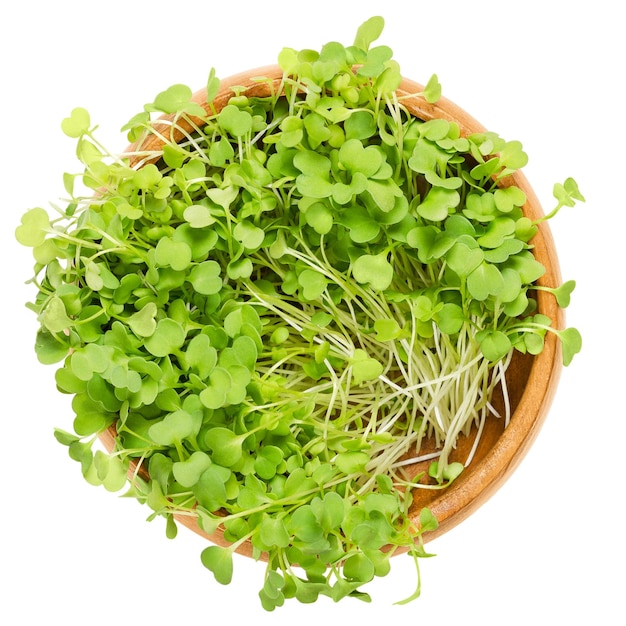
[(274, 311)]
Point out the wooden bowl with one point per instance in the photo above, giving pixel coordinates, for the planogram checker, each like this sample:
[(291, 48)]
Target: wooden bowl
[(531, 380)]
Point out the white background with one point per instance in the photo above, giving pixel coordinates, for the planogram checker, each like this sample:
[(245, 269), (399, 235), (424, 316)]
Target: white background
[(548, 548)]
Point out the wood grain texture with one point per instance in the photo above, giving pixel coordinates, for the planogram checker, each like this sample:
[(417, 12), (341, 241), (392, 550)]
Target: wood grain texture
[(531, 380)]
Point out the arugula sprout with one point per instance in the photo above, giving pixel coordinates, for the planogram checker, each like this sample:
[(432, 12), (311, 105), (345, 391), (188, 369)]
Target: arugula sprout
[(276, 309)]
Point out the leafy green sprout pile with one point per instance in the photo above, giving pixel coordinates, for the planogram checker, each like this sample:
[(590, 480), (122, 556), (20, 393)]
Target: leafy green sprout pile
[(279, 306)]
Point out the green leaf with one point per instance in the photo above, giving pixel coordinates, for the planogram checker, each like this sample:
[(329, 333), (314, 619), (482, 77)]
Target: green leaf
[(486, 280), (384, 194), (35, 224), (428, 521), (77, 124), (568, 193), (352, 462), (508, 198), (267, 461), (387, 329), (450, 318), (571, 343), (91, 417), (200, 240), (240, 268), (304, 524), (292, 131), (314, 186), (298, 482), (512, 156), (425, 157), (390, 78), (437, 204), (527, 266), (361, 226), (50, 348), (199, 216), (174, 254), (374, 270), (173, 428), (212, 86), (495, 345), (210, 490), (358, 567), (448, 182), (480, 207), (208, 522), (215, 394), (563, 293), (374, 533), (201, 355), (249, 235), (225, 446), (312, 284), (320, 218), (167, 338), (368, 32), (68, 382), (502, 252), (171, 529), (54, 317), (221, 152), (364, 367), (206, 278), (360, 125), (534, 342), (314, 180), (143, 322), (273, 584), (525, 229), (136, 125), (329, 510), (160, 469), (219, 561), (176, 99), (357, 158), (512, 285), (273, 532), (496, 232), (111, 471), (269, 602), (187, 473), (147, 177), (375, 62), (463, 260), (235, 121), (92, 276), (432, 90)]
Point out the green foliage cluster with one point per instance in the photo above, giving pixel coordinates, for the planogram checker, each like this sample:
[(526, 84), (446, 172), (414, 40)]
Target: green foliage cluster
[(276, 309)]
